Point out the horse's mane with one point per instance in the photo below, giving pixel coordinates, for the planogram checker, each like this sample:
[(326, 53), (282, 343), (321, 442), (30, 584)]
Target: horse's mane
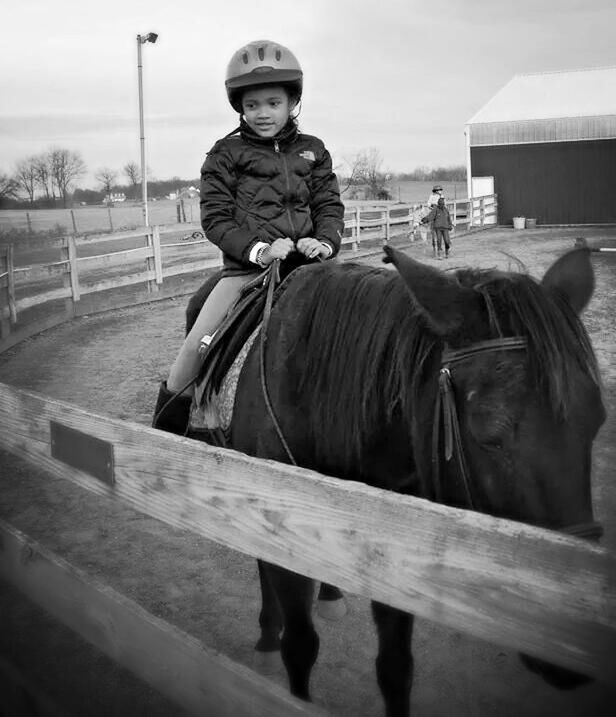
[(365, 344)]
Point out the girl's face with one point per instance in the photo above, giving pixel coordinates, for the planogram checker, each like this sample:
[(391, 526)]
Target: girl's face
[(266, 109)]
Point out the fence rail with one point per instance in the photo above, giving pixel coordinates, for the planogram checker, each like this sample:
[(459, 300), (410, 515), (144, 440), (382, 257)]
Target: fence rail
[(173, 662), (525, 588), (526, 584)]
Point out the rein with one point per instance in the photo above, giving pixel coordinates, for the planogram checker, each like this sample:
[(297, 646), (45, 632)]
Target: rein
[(452, 440), (272, 279)]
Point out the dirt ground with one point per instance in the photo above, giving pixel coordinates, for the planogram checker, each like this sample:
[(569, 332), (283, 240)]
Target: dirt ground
[(110, 364)]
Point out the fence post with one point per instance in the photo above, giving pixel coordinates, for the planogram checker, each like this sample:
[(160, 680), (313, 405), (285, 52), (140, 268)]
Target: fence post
[(5, 326), (67, 279), (110, 219), (387, 227), (74, 274), (183, 211), (158, 260), (357, 228), (74, 222), (482, 211), (29, 221), (149, 262), (10, 269), (454, 220), (178, 213)]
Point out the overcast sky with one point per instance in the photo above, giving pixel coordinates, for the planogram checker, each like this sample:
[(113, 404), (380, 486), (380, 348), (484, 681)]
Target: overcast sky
[(399, 75)]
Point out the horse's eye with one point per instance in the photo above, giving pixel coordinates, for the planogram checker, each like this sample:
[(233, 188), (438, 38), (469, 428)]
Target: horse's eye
[(491, 431), (493, 444)]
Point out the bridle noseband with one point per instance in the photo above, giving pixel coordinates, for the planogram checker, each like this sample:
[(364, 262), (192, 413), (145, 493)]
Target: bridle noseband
[(445, 407)]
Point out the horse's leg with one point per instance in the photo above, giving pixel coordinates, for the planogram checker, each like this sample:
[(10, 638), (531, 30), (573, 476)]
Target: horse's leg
[(300, 642), (330, 602), (394, 663), (267, 657)]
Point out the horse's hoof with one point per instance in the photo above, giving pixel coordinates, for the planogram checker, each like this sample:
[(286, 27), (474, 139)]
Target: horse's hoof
[(332, 609), (267, 663)]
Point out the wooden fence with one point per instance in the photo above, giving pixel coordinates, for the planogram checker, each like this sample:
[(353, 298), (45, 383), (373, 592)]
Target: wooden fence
[(87, 279), (525, 588)]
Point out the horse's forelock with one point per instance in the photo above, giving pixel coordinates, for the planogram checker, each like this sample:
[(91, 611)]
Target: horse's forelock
[(558, 343)]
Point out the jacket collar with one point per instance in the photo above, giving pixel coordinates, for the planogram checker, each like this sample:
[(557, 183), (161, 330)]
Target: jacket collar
[(286, 135)]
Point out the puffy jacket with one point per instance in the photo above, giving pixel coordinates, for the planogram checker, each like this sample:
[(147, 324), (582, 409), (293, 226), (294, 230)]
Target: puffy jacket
[(439, 218), (259, 189)]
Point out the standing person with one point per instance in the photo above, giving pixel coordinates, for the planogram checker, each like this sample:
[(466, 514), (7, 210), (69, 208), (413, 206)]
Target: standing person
[(435, 195), (268, 192), (440, 223)]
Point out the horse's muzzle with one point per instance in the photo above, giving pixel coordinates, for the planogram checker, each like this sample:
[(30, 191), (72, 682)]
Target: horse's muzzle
[(559, 677)]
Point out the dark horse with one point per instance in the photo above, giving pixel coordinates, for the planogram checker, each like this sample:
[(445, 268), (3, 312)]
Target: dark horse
[(356, 358)]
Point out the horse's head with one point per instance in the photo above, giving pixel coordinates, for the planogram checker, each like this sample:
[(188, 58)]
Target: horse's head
[(527, 412)]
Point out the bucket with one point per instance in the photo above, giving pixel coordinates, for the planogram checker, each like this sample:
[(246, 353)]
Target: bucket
[(519, 222), (531, 223)]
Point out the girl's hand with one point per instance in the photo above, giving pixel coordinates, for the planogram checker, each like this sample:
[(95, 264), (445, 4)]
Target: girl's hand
[(278, 249), (312, 248)]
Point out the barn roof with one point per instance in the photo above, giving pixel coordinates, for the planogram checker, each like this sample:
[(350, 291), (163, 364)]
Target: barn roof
[(549, 107), (551, 95)]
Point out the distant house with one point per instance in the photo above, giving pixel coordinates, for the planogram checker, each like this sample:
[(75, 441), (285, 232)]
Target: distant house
[(188, 192), (115, 197), (548, 142)]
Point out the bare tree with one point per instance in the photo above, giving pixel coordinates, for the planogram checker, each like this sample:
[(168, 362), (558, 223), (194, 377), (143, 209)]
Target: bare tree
[(365, 169), (353, 176), (25, 175), (8, 186), (106, 177), (65, 167), (133, 172), (44, 179)]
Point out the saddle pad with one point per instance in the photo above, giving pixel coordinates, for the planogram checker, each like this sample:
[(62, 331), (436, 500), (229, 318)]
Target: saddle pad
[(218, 411)]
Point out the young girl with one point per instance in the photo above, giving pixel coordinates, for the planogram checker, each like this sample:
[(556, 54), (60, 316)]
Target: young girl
[(267, 191)]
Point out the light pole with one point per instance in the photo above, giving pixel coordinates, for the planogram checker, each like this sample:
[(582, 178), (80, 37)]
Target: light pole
[(141, 39)]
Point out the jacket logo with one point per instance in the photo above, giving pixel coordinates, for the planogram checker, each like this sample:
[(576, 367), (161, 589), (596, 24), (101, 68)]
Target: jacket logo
[(309, 155)]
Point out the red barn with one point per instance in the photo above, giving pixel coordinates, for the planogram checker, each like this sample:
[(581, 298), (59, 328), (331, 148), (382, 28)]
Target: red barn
[(549, 142)]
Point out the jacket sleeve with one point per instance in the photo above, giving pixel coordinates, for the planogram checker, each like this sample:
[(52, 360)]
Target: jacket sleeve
[(218, 186), (326, 208), (430, 216)]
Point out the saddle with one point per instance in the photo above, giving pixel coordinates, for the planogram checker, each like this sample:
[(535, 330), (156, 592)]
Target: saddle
[(250, 310)]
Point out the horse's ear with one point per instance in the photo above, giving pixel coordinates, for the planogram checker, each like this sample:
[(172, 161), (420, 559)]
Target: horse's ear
[(572, 276), (444, 302)]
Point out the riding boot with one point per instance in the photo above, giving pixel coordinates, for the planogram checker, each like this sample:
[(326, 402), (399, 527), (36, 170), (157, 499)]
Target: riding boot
[(171, 415)]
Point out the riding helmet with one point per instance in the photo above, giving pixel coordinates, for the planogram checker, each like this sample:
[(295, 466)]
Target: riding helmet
[(262, 62), (437, 188)]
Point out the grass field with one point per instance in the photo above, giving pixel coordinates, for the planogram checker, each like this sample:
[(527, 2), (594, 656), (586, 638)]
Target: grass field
[(128, 215)]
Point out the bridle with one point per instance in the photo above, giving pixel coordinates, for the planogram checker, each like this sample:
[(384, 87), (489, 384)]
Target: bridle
[(445, 408)]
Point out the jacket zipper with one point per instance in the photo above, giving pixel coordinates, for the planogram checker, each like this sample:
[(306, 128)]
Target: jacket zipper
[(288, 185)]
